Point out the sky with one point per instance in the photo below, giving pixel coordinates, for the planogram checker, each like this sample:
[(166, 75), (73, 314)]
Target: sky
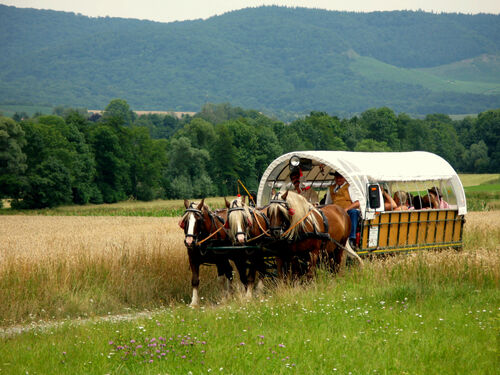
[(180, 10)]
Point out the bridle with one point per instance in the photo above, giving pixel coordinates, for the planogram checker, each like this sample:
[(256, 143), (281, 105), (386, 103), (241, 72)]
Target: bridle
[(235, 208), (283, 203), (199, 217)]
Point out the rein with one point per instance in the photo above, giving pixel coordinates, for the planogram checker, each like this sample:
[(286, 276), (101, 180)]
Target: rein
[(264, 232), (210, 236), (297, 223)]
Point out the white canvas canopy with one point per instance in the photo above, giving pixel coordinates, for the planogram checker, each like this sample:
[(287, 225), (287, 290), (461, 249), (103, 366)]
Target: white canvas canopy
[(361, 169)]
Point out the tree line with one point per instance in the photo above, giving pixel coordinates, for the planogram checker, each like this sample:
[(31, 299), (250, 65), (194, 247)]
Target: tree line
[(71, 157)]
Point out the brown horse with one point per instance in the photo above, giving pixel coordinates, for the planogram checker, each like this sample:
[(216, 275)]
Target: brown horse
[(246, 225), (200, 224), (311, 231)]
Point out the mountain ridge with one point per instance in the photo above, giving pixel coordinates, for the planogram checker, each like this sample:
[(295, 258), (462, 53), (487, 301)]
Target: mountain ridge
[(268, 58)]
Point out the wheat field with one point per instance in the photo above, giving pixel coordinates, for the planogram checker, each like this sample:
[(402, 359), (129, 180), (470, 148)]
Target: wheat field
[(55, 267)]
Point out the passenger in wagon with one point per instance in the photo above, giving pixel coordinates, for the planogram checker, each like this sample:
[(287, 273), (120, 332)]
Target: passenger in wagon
[(342, 194), (438, 197), (425, 202), (389, 203), (306, 191), (401, 200)]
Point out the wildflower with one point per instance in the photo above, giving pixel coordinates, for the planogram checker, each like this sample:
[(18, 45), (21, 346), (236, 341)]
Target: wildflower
[(111, 343), (242, 343), (281, 345)]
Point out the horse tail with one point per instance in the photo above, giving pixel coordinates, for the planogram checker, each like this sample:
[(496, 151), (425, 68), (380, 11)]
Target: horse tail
[(352, 253)]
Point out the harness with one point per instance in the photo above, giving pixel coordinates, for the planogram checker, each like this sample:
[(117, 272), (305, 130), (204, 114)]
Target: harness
[(252, 212), (325, 236), (212, 217)]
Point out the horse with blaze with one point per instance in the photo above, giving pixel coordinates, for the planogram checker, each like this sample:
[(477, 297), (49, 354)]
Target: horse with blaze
[(246, 224), (199, 224), (311, 231)]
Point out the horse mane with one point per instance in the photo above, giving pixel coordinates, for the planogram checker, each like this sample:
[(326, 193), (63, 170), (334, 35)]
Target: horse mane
[(237, 216), (301, 207)]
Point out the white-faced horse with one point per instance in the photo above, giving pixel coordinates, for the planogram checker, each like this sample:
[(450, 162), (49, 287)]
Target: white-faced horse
[(246, 225), (200, 224)]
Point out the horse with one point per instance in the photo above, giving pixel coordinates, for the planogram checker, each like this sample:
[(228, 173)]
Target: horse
[(200, 224), (246, 224), (311, 231)]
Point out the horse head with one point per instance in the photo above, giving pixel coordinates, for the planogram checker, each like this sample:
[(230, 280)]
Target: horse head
[(193, 221), (239, 220), (279, 214)]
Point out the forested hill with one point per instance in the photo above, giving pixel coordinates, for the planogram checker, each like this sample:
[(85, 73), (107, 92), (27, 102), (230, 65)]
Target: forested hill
[(273, 59)]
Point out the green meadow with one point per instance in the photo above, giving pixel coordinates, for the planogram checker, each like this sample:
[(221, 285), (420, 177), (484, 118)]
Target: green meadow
[(404, 317)]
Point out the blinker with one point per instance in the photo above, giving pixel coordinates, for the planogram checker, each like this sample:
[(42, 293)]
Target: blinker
[(182, 224), (291, 211)]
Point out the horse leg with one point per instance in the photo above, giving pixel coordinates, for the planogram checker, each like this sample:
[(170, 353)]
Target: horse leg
[(241, 266), (225, 275), (339, 257), (252, 272), (195, 281), (313, 257)]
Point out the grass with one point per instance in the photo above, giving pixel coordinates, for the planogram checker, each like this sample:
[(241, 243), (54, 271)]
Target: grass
[(427, 313), (478, 179)]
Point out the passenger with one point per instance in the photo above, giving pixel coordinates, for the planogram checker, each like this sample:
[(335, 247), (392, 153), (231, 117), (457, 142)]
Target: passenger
[(437, 196), (401, 200), (425, 202), (306, 191), (342, 194), (389, 203)]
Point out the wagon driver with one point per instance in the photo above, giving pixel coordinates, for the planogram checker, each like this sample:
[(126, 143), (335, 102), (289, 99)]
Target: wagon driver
[(343, 195), (306, 191)]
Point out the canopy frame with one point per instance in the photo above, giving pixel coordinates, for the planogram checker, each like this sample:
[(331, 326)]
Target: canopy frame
[(361, 169)]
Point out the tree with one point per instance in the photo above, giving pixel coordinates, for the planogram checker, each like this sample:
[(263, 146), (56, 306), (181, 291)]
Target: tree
[(147, 162), (371, 145), (12, 158), (381, 126), (49, 186), (112, 171), (488, 129), (118, 112)]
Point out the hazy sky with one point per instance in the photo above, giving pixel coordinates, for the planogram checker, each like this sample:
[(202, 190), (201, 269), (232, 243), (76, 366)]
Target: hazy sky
[(172, 10)]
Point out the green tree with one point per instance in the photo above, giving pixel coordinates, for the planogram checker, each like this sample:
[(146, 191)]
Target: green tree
[(112, 171), (118, 112), (371, 145), (12, 158), (488, 129), (49, 186), (381, 126), (147, 163)]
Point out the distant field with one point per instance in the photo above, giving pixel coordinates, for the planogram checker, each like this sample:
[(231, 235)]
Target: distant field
[(30, 110), (478, 179), (379, 71)]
